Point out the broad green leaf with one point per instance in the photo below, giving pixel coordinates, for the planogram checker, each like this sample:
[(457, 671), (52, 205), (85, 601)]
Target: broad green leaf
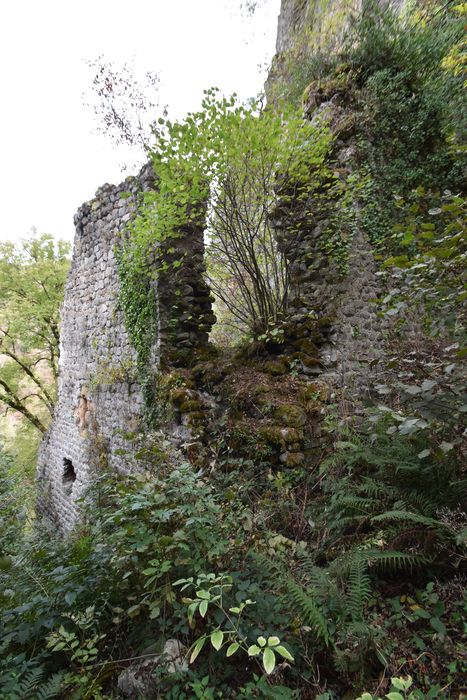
[(269, 660), (203, 606), (261, 641), (197, 648), (232, 648), (438, 625), (217, 638), (253, 650), (273, 641), (284, 652), (191, 610)]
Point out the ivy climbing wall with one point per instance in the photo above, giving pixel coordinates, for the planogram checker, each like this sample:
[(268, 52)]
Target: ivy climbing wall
[(101, 401)]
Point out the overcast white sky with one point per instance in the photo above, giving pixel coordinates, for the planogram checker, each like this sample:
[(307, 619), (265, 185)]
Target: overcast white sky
[(51, 161)]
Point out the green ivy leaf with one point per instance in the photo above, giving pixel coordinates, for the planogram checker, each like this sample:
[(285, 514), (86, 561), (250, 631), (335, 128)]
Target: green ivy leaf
[(232, 649)]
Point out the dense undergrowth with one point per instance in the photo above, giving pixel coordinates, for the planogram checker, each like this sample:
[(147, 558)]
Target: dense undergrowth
[(292, 550), (354, 565)]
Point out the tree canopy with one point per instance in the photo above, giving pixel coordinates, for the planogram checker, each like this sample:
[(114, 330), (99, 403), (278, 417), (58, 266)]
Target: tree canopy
[(32, 279)]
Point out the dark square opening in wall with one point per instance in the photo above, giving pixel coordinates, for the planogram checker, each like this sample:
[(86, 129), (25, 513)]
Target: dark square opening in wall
[(69, 474)]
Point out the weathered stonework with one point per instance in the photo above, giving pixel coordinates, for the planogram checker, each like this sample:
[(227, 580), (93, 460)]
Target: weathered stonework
[(349, 359), (99, 398), (306, 27), (335, 330)]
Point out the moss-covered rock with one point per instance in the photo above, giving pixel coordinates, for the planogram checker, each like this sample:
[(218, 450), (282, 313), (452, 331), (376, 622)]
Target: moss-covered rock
[(319, 91), (311, 364), (314, 392), (194, 419), (185, 400), (291, 415), (280, 436), (305, 346), (292, 459), (276, 367)]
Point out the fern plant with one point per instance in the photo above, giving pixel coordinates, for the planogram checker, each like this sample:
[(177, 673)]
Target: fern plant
[(34, 684), (384, 488)]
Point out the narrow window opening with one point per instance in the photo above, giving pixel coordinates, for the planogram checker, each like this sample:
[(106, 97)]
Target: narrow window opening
[(69, 475)]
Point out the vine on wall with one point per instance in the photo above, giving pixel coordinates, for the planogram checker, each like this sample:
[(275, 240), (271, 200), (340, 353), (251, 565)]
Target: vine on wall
[(138, 300)]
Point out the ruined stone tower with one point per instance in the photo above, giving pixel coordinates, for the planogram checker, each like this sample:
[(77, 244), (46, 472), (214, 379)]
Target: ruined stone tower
[(100, 399)]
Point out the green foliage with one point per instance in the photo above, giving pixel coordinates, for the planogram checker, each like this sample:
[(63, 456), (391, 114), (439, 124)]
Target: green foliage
[(387, 482), (409, 106), (138, 301), (321, 579), (400, 690), (427, 259), (33, 686), (32, 279), (225, 168), (14, 499)]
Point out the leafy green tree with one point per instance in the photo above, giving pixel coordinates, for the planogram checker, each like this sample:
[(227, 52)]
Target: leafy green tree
[(231, 165), (32, 279)]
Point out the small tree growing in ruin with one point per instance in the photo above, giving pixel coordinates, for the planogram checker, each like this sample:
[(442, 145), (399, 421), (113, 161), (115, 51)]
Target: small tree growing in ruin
[(236, 158)]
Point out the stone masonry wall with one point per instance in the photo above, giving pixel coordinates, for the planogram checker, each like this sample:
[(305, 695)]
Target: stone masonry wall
[(99, 398), (355, 344)]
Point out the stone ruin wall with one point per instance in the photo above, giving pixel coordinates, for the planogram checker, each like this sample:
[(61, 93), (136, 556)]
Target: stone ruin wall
[(351, 360), (99, 397), (93, 414)]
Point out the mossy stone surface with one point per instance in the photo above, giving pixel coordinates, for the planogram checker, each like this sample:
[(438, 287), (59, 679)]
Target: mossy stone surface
[(292, 459), (276, 367), (291, 415), (276, 435)]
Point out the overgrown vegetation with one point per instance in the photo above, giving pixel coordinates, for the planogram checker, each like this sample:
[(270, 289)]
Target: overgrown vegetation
[(295, 551), (226, 167), (32, 278)]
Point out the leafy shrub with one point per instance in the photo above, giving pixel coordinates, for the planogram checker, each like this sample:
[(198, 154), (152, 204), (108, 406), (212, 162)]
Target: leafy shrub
[(226, 168)]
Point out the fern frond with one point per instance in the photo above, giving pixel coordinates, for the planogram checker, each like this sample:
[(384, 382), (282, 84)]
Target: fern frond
[(308, 608), (318, 576), (359, 588), (30, 683), (359, 629), (321, 582), (414, 518), (358, 503), (457, 492), (342, 523), (422, 503), (275, 568), (51, 689), (376, 489), (390, 559)]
